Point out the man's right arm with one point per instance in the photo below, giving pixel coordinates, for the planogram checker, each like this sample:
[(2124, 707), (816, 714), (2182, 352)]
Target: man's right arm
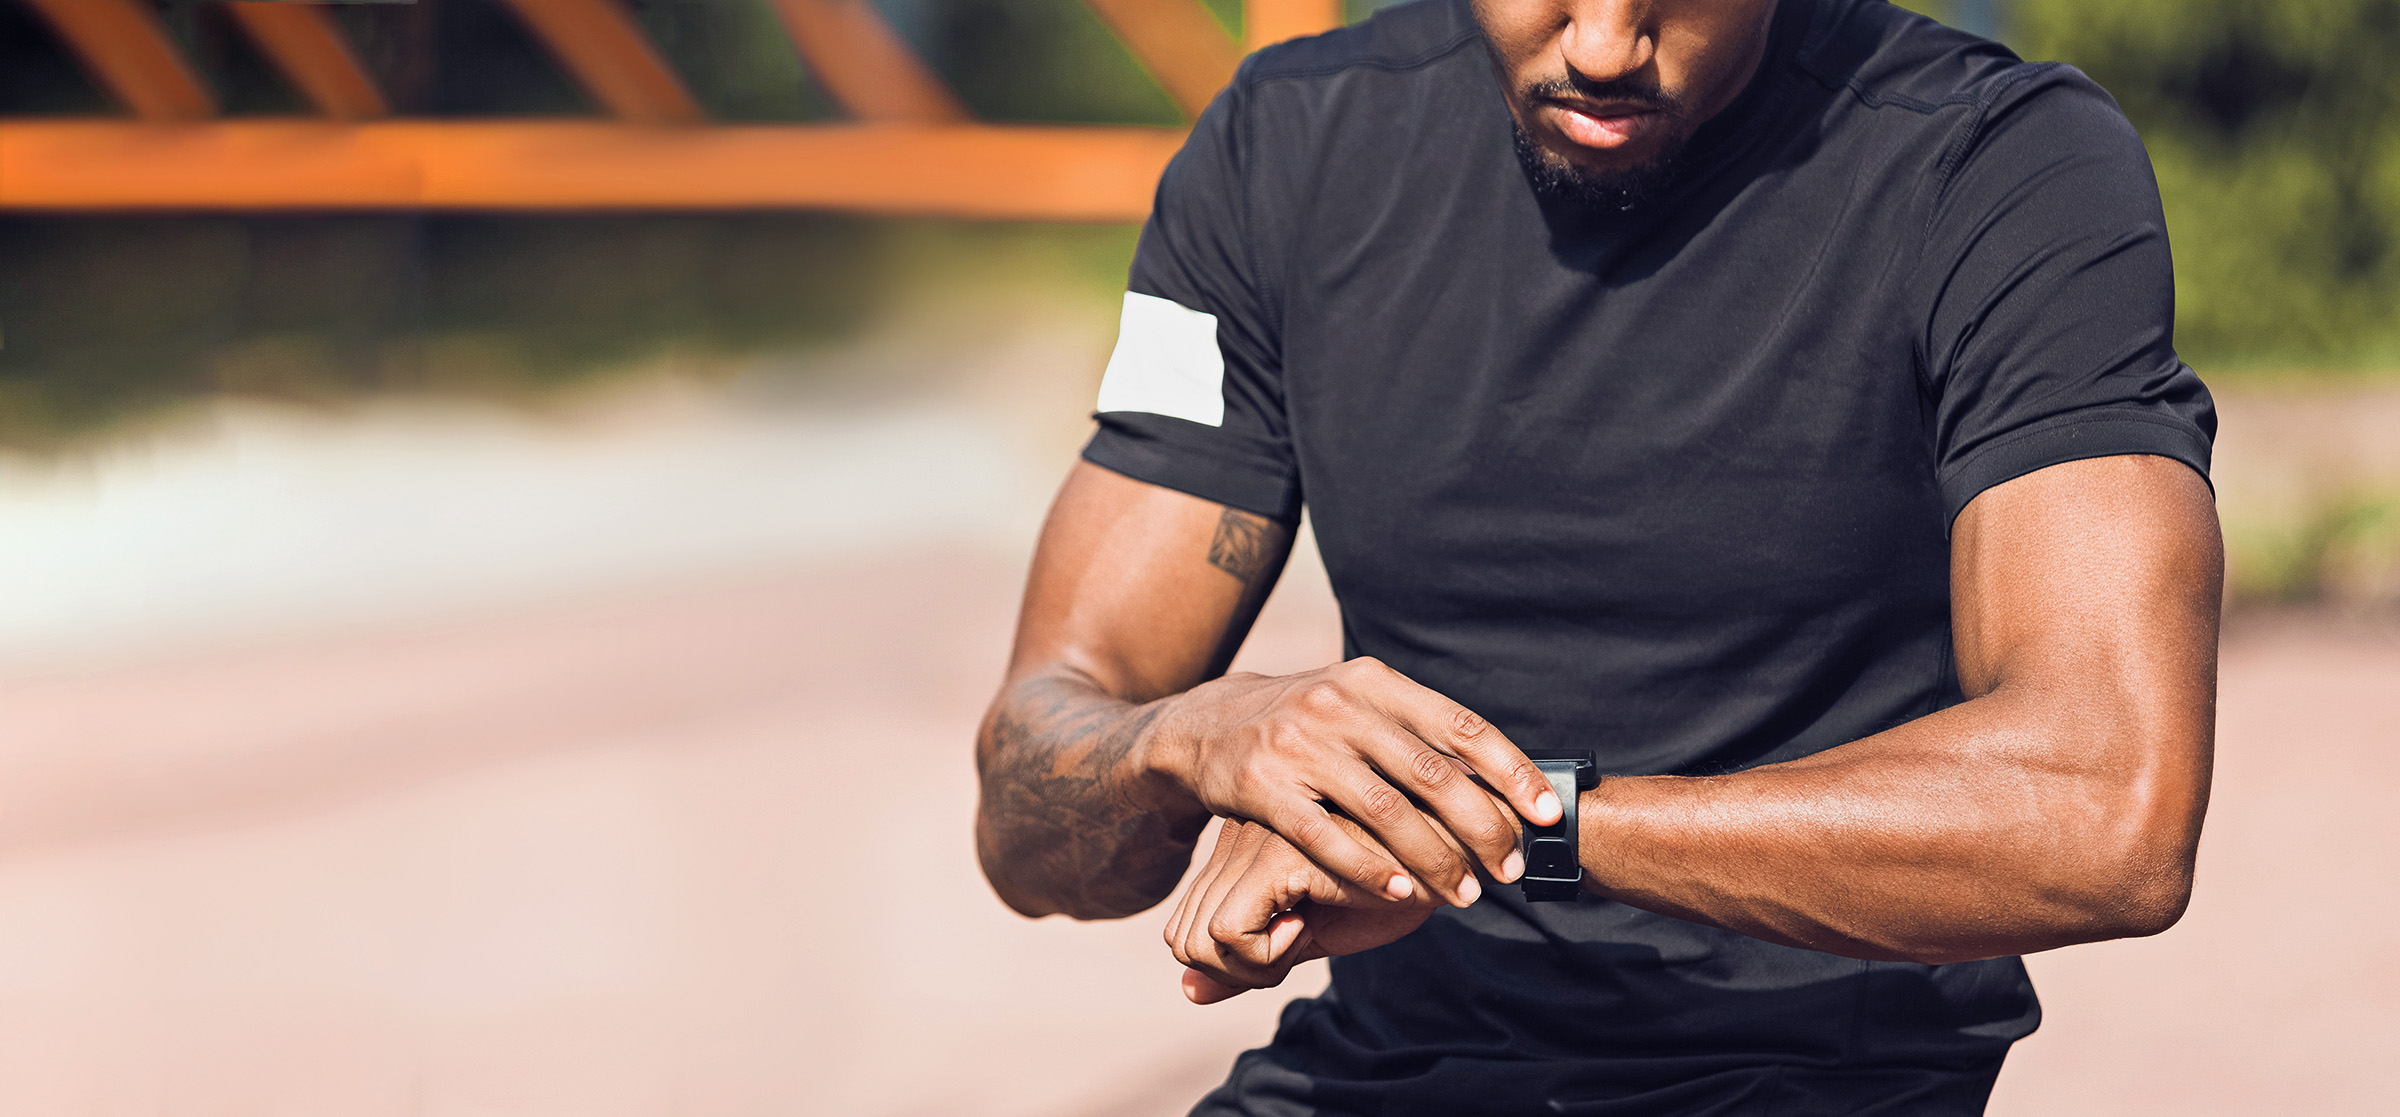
[(1114, 738)]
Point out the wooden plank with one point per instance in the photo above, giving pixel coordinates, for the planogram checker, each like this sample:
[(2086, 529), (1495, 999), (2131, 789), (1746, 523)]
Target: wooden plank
[(864, 64), (599, 42), (978, 171), (1181, 44), (126, 48), (1267, 22), (304, 43)]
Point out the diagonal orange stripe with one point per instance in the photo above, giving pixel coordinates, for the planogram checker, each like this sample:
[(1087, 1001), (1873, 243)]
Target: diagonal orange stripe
[(866, 67), (599, 42), (1267, 22), (309, 49), (122, 42), (1181, 44)]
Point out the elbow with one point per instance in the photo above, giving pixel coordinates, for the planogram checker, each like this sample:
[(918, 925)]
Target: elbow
[(2123, 867), (1004, 865), (2138, 889), (2148, 895), (995, 864)]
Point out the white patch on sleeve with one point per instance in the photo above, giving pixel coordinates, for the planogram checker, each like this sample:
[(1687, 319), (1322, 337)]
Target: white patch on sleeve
[(1167, 363)]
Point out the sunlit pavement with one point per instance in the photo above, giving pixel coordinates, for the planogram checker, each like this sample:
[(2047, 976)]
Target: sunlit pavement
[(707, 851)]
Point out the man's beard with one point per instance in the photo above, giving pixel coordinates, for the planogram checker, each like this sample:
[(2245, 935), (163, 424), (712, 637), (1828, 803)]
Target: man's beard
[(1632, 188)]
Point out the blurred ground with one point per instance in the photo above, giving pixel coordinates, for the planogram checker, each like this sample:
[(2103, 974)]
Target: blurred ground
[(439, 762)]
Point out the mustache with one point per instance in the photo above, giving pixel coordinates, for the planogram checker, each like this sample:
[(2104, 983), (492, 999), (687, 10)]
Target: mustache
[(1614, 89)]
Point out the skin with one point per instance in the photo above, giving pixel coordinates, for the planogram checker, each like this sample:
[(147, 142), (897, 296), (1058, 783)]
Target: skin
[(1117, 735), (2061, 803), (1608, 87)]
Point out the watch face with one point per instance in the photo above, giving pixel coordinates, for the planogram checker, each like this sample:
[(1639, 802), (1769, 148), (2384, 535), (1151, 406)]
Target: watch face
[(1551, 858)]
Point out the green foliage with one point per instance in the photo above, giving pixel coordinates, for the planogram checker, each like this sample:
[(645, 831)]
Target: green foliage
[(2339, 546), (2274, 126)]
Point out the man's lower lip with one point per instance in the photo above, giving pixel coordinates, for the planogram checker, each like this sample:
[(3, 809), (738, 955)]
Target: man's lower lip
[(1588, 130)]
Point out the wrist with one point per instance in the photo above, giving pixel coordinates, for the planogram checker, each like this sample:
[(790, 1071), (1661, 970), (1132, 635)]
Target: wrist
[(1162, 754)]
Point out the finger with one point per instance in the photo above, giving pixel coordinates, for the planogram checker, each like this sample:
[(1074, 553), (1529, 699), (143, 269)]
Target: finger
[(1464, 815), (1201, 989), (1244, 844), (1413, 837), (1311, 829), (1229, 848), (1253, 924), (1248, 843), (1463, 733)]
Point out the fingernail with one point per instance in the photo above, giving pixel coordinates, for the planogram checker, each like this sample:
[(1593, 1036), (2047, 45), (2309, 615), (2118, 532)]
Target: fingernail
[(1545, 808), (1512, 867), (1469, 891), (1401, 887)]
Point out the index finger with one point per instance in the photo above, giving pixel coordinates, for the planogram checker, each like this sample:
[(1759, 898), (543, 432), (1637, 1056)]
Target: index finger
[(1463, 733)]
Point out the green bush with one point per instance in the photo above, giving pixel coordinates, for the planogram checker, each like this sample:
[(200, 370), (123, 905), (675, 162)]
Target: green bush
[(2275, 129)]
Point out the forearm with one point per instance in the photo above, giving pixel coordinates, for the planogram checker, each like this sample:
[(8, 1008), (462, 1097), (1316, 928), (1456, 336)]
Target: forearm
[(1071, 819), (2003, 825)]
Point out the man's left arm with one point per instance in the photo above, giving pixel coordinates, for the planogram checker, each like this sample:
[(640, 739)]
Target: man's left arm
[(2061, 803)]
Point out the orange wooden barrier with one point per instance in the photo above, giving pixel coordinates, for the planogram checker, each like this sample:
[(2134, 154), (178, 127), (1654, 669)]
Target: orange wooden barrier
[(308, 48), (122, 43), (913, 151), (1059, 173), (866, 67)]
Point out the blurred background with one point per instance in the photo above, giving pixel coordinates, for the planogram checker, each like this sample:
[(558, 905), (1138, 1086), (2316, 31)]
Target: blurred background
[(510, 511)]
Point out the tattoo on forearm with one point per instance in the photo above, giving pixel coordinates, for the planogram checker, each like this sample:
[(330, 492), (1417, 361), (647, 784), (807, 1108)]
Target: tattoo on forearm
[(1242, 545), (1056, 811)]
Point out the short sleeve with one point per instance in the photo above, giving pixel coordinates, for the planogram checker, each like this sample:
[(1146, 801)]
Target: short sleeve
[(2050, 335), (1193, 395)]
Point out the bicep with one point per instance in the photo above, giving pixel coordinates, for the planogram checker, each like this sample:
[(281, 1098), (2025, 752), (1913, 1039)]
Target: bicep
[(2112, 564), (1145, 590), (2085, 599)]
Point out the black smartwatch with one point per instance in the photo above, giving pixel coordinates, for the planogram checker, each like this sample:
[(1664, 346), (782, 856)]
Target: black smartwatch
[(1553, 870)]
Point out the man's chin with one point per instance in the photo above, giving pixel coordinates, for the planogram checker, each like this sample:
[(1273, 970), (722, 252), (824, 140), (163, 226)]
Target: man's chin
[(1639, 182)]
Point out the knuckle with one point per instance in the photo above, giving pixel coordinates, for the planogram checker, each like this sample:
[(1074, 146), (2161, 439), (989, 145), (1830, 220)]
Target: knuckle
[(1223, 932), (1381, 803), (1325, 698), (1467, 725), (1286, 738), (1309, 830), (1297, 882), (1431, 769)]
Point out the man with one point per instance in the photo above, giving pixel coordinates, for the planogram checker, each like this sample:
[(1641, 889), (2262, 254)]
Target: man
[(1774, 399)]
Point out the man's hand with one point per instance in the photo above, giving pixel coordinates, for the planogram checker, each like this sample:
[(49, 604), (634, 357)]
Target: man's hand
[(1109, 747), (1381, 751), (1259, 907)]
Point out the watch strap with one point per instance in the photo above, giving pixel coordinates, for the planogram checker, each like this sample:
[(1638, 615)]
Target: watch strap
[(1553, 867)]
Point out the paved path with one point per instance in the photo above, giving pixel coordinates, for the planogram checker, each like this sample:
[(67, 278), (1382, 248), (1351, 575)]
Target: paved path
[(705, 851)]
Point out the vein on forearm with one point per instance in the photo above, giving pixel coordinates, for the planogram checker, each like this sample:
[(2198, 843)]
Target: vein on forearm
[(1068, 824)]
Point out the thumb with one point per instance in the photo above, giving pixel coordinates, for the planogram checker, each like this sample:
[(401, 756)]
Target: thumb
[(1201, 989)]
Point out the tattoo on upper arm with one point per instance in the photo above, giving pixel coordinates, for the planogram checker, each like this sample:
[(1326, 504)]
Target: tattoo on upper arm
[(1242, 546)]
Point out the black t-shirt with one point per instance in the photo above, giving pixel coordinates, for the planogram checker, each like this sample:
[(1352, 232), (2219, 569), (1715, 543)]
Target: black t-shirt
[(1672, 484)]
